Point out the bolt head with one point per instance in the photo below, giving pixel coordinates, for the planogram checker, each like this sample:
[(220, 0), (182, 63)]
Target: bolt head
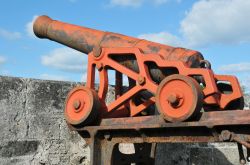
[(97, 51), (99, 66), (77, 104), (172, 98), (242, 161), (107, 136), (141, 80), (225, 135)]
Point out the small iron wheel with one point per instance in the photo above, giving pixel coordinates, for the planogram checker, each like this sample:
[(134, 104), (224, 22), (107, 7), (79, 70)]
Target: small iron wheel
[(81, 106), (179, 98)]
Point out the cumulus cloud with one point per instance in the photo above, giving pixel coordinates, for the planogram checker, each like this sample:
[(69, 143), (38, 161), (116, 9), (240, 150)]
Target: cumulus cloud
[(210, 22), (233, 68), (133, 3), (217, 21), (2, 60), (84, 77), (29, 27), (137, 3), (241, 70), (65, 59), (53, 77), (9, 35), (163, 38), (159, 2), (5, 72), (246, 84)]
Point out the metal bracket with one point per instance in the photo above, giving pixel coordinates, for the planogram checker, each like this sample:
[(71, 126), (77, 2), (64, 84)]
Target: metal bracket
[(214, 126)]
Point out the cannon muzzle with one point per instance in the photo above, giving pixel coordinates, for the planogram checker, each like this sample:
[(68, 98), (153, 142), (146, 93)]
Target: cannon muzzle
[(85, 39)]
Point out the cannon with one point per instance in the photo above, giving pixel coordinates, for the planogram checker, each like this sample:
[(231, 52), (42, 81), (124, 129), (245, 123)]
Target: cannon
[(169, 89)]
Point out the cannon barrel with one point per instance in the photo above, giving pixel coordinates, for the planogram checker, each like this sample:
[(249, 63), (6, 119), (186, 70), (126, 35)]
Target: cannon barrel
[(85, 39)]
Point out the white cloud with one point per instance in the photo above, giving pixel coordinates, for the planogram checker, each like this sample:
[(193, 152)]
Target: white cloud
[(163, 38), (29, 27), (9, 35), (159, 2), (138, 3), (217, 21), (53, 77), (5, 72), (133, 3), (84, 77), (65, 59), (246, 84), (241, 70), (233, 68), (210, 22), (2, 60)]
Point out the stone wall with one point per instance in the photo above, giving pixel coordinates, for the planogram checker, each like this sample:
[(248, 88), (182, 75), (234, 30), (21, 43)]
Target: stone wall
[(33, 130)]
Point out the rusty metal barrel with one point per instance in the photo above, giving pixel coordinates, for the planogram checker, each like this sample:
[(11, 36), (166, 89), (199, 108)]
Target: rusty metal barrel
[(85, 39)]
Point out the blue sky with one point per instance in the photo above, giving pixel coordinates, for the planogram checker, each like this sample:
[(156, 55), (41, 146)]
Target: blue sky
[(219, 29)]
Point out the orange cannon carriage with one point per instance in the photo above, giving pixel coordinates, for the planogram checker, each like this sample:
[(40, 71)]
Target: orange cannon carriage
[(178, 81), (171, 95)]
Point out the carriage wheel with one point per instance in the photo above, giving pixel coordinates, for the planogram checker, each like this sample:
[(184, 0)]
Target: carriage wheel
[(81, 106), (179, 98)]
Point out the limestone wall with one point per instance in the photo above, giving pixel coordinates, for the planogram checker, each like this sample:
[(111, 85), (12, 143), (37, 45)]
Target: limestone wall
[(33, 130)]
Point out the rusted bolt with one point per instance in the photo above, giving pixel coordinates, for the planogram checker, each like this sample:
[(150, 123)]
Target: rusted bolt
[(141, 80), (97, 51), (225, 135), (144, 113), (77, 104), (242, 161), (173, 98), (107, 136), (99, 66)]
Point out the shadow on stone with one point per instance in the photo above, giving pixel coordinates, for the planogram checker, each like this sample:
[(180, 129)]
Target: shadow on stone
[(190, 154), (18, 148)]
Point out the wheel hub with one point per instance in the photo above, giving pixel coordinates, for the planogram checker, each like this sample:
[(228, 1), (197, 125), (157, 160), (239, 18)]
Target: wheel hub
[(178, 98), (81, 106)]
